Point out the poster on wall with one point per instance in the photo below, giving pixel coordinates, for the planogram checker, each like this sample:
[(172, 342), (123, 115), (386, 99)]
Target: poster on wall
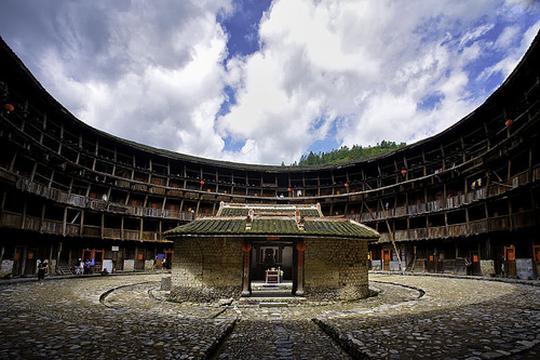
[(108, 265), (524, 269)]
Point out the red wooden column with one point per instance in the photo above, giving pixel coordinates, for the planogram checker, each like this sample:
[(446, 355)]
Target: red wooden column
[(246, 252), (300, 248)]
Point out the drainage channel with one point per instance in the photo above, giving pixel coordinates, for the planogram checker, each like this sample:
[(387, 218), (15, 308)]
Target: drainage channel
[(103, 296), (421, 292)]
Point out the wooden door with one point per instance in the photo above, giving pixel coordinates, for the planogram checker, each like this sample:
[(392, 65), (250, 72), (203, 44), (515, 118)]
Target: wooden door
[(386, 257), (139, 259), (510, 261), (432, 263), (475, 266), (118, 260), (98, 259)]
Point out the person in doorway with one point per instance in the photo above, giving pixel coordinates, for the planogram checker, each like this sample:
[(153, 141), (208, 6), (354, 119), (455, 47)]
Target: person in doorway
[(38, 265), (42, 269), (79, 267), (468, 265), (87, 267)]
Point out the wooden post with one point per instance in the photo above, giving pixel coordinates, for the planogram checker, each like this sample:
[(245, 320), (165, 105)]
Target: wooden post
[(246, 283), (58, 253), (50, 254), (300, 249), (70, 261), (23, 260)]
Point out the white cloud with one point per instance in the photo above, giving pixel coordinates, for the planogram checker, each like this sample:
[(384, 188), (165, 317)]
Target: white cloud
[(514, 54), (507, 37), (168, 86), (361, 71), (366, 63)]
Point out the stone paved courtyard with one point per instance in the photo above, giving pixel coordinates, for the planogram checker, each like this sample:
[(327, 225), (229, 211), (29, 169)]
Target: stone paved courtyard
[(454, 319)]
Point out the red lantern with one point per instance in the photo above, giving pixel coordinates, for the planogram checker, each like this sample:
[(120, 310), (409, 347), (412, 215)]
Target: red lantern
[(346, 184), (246, 247), (508, 122), (300, 246), (9, 108), (202, 182), (404, 171)]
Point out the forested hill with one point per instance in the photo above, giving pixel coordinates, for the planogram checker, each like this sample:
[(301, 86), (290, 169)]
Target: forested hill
[(346, 154)]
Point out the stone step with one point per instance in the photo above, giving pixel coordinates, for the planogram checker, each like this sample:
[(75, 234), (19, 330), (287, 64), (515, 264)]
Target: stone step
[(273, 304), (281, 301)]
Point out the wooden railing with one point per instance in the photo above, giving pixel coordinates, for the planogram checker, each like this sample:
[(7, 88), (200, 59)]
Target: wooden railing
[(478, 227), (150, 235), (110, 233), (92, 231), (55, 227), (522, 219), (13, 220), (475, 156), (73, 229), (451, 202), (97, 204), (52, 227), (131, 234), (32, 223)]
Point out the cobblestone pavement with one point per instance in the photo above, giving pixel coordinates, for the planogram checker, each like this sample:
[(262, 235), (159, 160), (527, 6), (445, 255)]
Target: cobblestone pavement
[(64, 319), (455, 319)]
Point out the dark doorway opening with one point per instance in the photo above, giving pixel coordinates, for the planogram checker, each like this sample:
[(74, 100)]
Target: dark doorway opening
[(272, 269)]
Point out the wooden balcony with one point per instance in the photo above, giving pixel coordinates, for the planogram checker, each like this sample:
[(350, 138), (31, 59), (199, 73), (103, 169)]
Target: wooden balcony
[(73, 230), (131, 234), (110, 233), (32, 223), (92, 231), (524, 219), (150, 235), (52, 227)]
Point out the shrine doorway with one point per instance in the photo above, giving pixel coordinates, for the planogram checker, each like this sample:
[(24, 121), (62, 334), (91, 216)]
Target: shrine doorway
[(271, 268)]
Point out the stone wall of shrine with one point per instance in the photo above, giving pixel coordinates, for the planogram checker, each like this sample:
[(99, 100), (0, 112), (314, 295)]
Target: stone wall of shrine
[(336, 266), (206, 268)]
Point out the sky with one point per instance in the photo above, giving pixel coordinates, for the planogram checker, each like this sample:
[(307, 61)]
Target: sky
[(264, 81)]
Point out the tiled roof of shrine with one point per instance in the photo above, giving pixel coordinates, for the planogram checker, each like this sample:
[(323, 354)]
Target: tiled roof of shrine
[(247, 220)]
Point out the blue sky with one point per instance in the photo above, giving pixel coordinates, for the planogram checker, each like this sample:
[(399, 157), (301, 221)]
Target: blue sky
[(267, 81)]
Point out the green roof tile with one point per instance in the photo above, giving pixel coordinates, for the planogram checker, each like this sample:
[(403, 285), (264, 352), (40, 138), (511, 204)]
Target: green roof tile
[(284, 227)]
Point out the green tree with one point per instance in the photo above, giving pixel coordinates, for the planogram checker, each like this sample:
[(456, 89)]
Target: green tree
[(345, 154)]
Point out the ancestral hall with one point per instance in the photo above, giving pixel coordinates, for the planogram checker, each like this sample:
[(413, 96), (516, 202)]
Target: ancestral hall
[(247, 242)]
